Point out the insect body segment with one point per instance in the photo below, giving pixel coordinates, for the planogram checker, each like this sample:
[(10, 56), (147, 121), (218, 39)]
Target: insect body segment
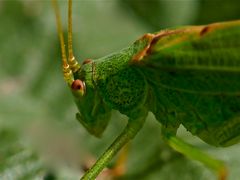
[(124, 91), (195, 74)]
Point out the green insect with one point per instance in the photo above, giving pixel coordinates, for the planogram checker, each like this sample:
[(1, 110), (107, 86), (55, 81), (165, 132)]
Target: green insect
[(188, 76)]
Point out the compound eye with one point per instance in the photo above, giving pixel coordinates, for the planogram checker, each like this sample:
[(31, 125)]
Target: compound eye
[(78, 85)]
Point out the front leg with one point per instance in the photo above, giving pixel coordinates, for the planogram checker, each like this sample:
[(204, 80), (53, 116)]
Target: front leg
[(135, 123)]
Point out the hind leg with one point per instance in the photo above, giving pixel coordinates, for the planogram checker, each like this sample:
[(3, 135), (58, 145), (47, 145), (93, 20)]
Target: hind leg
[(196, 154)]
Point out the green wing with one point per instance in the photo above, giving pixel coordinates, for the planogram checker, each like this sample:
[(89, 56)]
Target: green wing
[(211, 47), (194, 79)]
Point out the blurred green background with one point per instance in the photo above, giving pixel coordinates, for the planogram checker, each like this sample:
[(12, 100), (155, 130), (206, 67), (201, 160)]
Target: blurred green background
[(39, 136)]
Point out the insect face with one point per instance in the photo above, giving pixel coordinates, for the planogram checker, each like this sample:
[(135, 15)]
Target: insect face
[(93, 114)]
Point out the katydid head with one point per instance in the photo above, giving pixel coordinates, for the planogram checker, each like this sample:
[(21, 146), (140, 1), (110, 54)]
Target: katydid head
[(93, 114)]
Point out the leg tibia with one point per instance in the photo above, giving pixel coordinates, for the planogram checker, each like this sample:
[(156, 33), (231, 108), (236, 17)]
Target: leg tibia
[(196, 154)]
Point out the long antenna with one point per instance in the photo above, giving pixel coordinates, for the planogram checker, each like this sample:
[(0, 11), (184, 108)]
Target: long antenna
[(74, 66), (67, 72)]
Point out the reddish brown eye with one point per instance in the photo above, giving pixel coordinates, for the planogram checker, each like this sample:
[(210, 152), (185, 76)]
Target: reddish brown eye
[(78, 85)]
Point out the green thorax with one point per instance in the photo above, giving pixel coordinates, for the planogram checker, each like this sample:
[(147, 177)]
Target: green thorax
[(121, 85)]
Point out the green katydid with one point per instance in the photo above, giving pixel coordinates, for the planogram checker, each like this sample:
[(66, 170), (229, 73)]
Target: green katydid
[(187, 76)]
